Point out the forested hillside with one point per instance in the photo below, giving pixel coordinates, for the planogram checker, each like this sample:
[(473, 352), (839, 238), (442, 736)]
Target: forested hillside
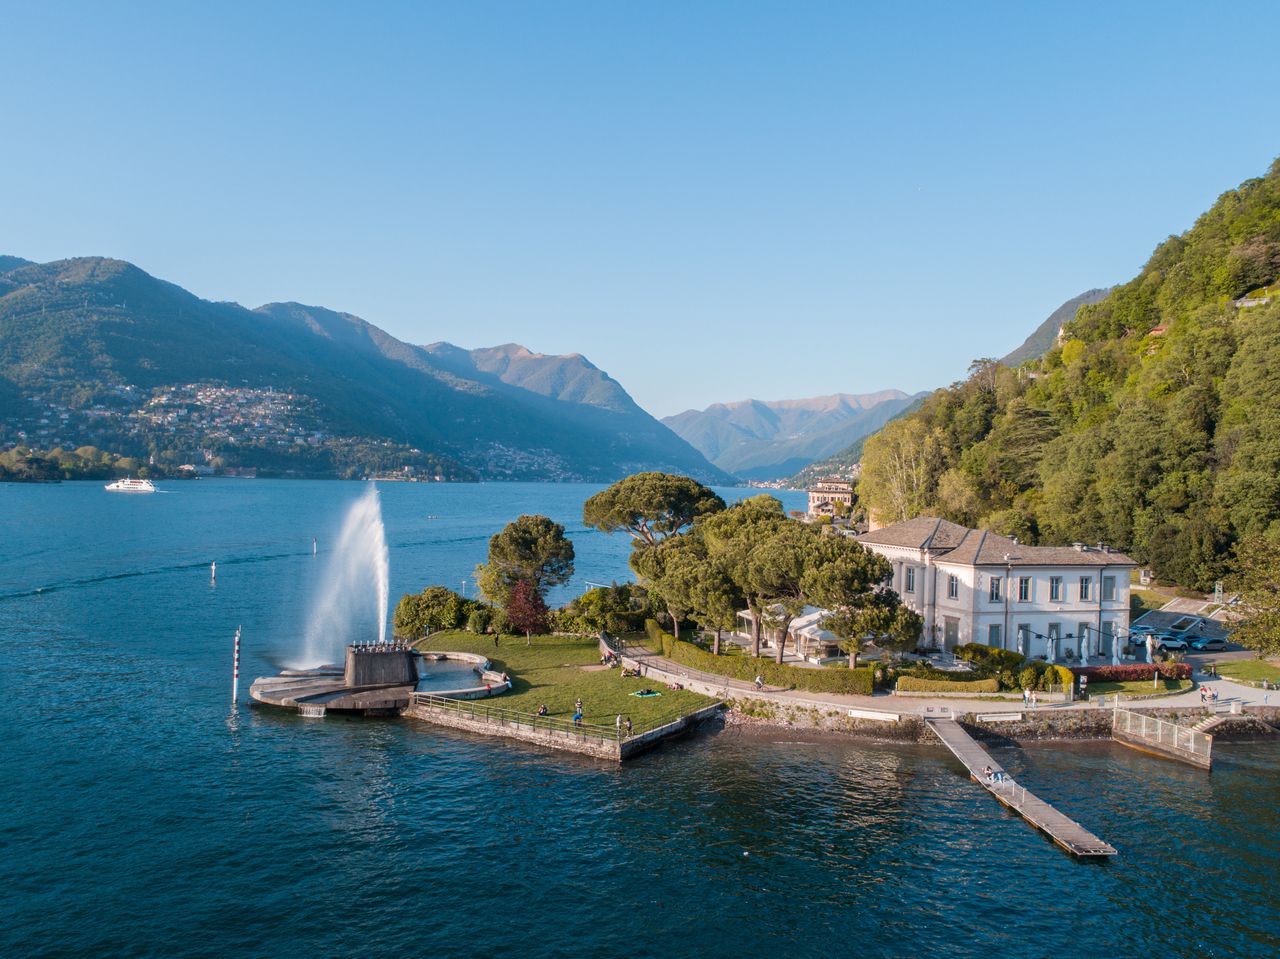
[(95, 351), (1154, 426)]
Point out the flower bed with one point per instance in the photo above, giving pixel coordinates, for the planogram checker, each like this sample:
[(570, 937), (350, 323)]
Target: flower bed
[(1132, 671)]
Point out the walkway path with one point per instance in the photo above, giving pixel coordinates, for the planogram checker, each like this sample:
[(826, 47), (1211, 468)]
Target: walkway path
[(669, 671), (1063, 830)]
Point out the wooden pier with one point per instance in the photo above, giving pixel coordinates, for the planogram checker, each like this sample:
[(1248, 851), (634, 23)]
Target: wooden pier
[(1066, 832)]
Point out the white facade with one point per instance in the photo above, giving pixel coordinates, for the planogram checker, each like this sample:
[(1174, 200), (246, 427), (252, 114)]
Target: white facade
[(973, 586)]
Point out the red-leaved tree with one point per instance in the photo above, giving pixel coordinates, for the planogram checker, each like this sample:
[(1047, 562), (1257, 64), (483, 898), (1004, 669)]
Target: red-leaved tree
[(526, 610)]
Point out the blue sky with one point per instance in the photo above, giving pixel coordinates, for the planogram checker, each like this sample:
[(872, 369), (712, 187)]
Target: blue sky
[(710, 201)]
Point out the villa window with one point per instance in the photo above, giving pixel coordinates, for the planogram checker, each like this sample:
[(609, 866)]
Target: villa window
[(993, 635), (1055, 589), (1024, 589), (953, 587), (1086, 587), (1108, 589), (996, 583), (910, 585)]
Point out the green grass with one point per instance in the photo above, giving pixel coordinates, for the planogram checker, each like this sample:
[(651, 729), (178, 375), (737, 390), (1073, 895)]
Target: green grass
[(1138, 687), (1250, 670), (1142, 601), (549, 671)]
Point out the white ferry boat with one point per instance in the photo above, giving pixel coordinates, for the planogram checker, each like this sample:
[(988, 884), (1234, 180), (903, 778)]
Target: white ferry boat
[(131, 486)]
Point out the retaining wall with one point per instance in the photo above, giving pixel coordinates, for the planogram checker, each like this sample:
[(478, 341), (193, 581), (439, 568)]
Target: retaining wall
[(564, 740), (552, 738)]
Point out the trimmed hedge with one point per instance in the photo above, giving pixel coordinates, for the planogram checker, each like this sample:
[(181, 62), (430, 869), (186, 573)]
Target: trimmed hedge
[(1132, 671), (914, 684), (852, 682), (983, 655)]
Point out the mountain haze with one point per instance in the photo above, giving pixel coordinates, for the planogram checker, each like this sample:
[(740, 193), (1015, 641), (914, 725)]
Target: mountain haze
[(99, 342), (760, 440)]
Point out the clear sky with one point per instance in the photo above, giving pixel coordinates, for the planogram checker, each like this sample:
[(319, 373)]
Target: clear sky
[(709, 200)]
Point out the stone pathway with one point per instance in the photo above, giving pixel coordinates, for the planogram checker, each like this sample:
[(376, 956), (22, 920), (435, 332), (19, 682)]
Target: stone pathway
[(668, 671)]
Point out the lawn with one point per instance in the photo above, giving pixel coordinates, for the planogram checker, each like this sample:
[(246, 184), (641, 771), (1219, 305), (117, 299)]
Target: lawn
[(1250, 670), (1138, 687), (551, 671), (1143, 601)]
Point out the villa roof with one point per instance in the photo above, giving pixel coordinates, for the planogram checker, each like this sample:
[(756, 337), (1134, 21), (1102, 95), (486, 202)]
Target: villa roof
[(954, 543), (923, 532)]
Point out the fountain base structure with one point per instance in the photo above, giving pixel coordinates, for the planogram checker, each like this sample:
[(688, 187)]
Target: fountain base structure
[(379, 679)]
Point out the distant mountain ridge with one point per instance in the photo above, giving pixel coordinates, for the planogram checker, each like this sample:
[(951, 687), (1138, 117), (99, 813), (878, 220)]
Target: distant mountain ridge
[(88, 343), (1045, 336), (765, 440)]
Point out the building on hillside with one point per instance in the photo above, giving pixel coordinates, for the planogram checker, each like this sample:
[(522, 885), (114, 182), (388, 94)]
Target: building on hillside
[(976, 586), (826, 493)]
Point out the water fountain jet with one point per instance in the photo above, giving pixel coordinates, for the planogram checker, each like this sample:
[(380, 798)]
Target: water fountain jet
[(354, 588)]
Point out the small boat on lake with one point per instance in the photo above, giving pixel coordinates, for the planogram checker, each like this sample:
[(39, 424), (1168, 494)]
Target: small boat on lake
[(131, 485)]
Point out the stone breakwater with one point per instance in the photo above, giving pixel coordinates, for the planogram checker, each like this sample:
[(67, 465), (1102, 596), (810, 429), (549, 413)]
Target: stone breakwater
[(1041, 725)]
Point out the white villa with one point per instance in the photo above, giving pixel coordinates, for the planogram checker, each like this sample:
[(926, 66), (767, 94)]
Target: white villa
[(826, 493), (975, 586)]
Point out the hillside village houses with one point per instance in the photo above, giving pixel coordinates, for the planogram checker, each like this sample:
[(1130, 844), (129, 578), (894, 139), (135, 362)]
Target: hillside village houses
[(976, 586)]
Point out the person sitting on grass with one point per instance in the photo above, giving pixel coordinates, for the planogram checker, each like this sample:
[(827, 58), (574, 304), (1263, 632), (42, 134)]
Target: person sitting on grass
[(542, 710)]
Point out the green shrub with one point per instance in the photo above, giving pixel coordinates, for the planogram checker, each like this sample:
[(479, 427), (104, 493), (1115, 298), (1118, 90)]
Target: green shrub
[(1028, 676), (853, 682), (914, 684), (480, 619), (982, 655)]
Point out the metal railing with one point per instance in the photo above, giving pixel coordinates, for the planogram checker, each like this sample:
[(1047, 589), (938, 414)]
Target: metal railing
[(498, 716), (481, 710), (1163, 732)]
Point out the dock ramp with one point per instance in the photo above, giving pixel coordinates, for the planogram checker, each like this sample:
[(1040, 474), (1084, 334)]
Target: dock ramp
[(1063, 830)]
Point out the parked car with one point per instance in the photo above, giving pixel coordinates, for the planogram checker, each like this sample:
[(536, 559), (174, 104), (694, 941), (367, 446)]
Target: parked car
[(1207, 644), (1167, 643)]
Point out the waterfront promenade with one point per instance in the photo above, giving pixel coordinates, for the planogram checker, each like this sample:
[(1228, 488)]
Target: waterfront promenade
[(666, 670)]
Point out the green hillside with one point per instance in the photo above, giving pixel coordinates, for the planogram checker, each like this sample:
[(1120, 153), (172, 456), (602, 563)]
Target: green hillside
[(96, 351), (1153, 427)]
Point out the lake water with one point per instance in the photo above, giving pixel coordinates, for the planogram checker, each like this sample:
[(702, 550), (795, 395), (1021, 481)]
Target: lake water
[(143, 817)]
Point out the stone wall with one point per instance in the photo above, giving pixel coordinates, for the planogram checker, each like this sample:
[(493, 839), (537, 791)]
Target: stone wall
[(1029, 726), (379, 667), (551, 738)]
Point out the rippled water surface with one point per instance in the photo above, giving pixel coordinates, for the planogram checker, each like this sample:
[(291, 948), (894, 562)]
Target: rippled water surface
[(143, 817)]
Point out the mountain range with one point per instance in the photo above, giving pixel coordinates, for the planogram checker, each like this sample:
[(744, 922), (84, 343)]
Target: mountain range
[(97, 350), (767, 440)]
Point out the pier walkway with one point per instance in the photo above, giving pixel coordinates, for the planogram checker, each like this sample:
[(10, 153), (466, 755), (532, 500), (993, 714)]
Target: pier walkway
[(1066, 832)]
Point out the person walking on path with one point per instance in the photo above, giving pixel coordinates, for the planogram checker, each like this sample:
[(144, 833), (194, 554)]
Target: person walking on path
[(1035, 700), (759, 682), (627, 725), (1026, 697), (618, 722)]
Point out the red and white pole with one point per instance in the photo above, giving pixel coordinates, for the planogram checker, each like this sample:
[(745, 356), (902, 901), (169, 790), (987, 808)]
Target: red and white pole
[(235, 671)]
